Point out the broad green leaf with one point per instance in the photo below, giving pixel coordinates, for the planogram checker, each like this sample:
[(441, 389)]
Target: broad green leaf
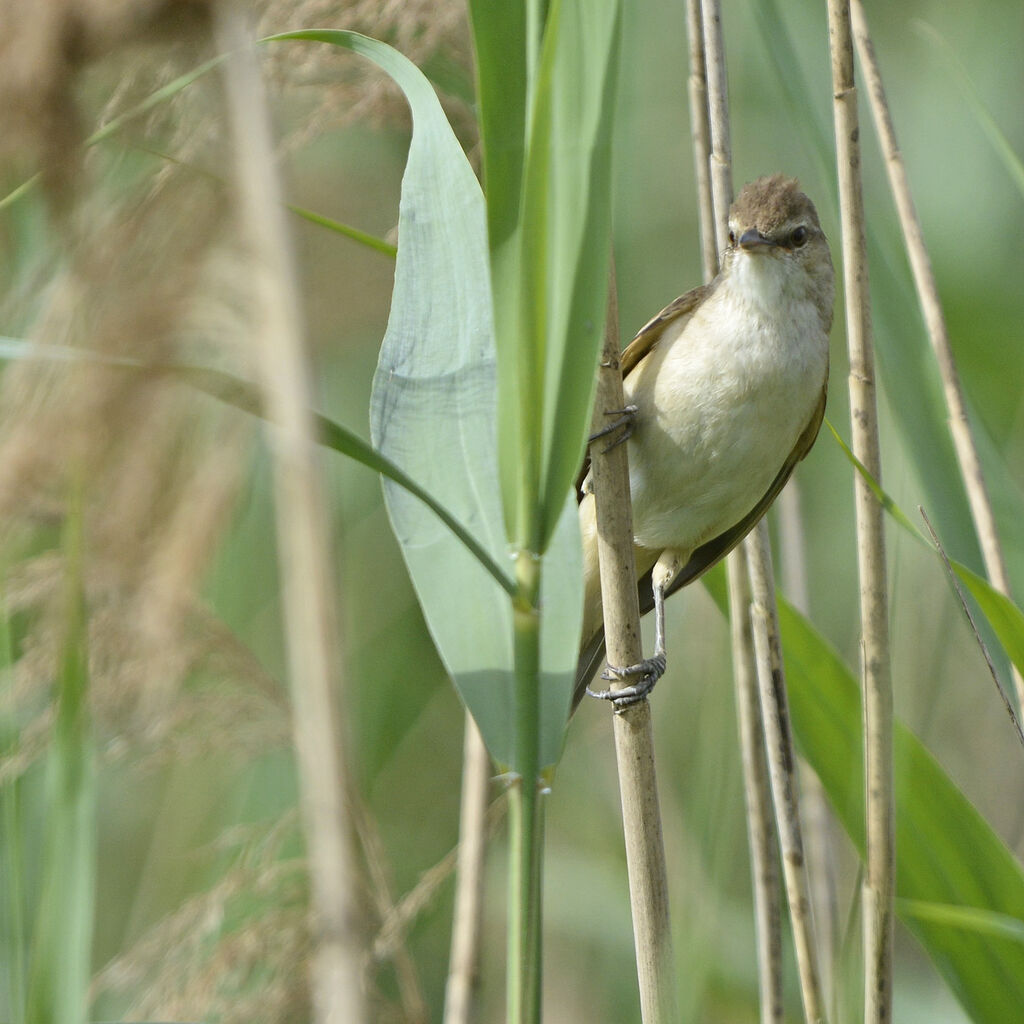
[(946, 853), (433, 415), (569, 209), (499, 38)]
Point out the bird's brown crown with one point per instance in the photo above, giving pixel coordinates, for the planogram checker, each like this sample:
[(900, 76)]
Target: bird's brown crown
[(771, 202)]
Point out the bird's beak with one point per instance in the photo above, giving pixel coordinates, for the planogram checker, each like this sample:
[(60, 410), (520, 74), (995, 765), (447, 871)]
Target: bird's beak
[(752, 240)]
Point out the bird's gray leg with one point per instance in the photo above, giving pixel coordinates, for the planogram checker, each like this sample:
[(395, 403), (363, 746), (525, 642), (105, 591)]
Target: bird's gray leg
[(650, 670), (626, 421)]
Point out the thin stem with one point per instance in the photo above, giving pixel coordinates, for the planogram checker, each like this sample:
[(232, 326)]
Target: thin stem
[(634, 736), (818, 823), (761, 831), (467, 921), (700, 135), (524, 965), (935, 321), (718, 118), (782, 765), (524, 968), (748, 570), (878, 886), (762, 827), (311, 623)]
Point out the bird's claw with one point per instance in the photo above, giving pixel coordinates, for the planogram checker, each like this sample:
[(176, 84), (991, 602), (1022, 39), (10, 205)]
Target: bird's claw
[(650, 671), (626, 422)]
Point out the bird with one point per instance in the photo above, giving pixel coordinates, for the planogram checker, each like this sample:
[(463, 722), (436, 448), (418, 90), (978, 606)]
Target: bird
[(725, 391)]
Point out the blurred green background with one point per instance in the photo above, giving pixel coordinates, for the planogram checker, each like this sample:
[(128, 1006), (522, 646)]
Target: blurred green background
[(162, 829)]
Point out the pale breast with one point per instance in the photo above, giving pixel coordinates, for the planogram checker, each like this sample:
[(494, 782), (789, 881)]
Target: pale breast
[(721, 406)]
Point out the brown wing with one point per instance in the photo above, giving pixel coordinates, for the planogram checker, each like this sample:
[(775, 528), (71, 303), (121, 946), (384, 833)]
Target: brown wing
[(650, 334), (646, 338)]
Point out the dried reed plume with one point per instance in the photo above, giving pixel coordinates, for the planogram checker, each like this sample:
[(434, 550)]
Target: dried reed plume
[(141, 269)]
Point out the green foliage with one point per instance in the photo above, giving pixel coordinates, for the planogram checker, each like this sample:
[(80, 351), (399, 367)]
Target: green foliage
[(1004, 617), (12, 856), (433, 414), (549, 250), (946, 854), (61, 952), (959, 885)]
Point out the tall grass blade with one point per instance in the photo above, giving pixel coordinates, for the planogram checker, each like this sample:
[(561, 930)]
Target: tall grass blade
[(996, 136), (62, 940), (12, 862), (549, 359), (1002, 614), (946, 853), (500, 42)]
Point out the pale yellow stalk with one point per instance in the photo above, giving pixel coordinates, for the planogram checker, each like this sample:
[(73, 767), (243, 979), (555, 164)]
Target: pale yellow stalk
[(311, 621), (634, 737), (879, 884), (935, 321)]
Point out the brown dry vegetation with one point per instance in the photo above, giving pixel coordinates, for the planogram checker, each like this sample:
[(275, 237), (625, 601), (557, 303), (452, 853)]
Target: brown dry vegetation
[(142, 272)]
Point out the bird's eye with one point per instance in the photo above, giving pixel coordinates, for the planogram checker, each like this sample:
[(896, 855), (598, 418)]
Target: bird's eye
[(732, 237), (798, 237)]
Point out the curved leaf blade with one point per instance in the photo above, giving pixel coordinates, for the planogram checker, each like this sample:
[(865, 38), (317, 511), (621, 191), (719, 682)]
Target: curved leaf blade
[(433, 415)]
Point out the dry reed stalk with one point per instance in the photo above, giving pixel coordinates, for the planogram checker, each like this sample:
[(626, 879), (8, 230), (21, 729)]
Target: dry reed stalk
[(879, 884), (935, 322), (634, 737), (467, 920), (311, 622), (720, 146), (390, 940), (700, 135), (761, 828), (715, 194), (764, 613), (816, 816), (765, 628), (781, 763)]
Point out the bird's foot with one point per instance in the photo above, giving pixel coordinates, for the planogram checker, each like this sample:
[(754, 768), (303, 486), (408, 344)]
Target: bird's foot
[(649, 671), (626, 422)]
